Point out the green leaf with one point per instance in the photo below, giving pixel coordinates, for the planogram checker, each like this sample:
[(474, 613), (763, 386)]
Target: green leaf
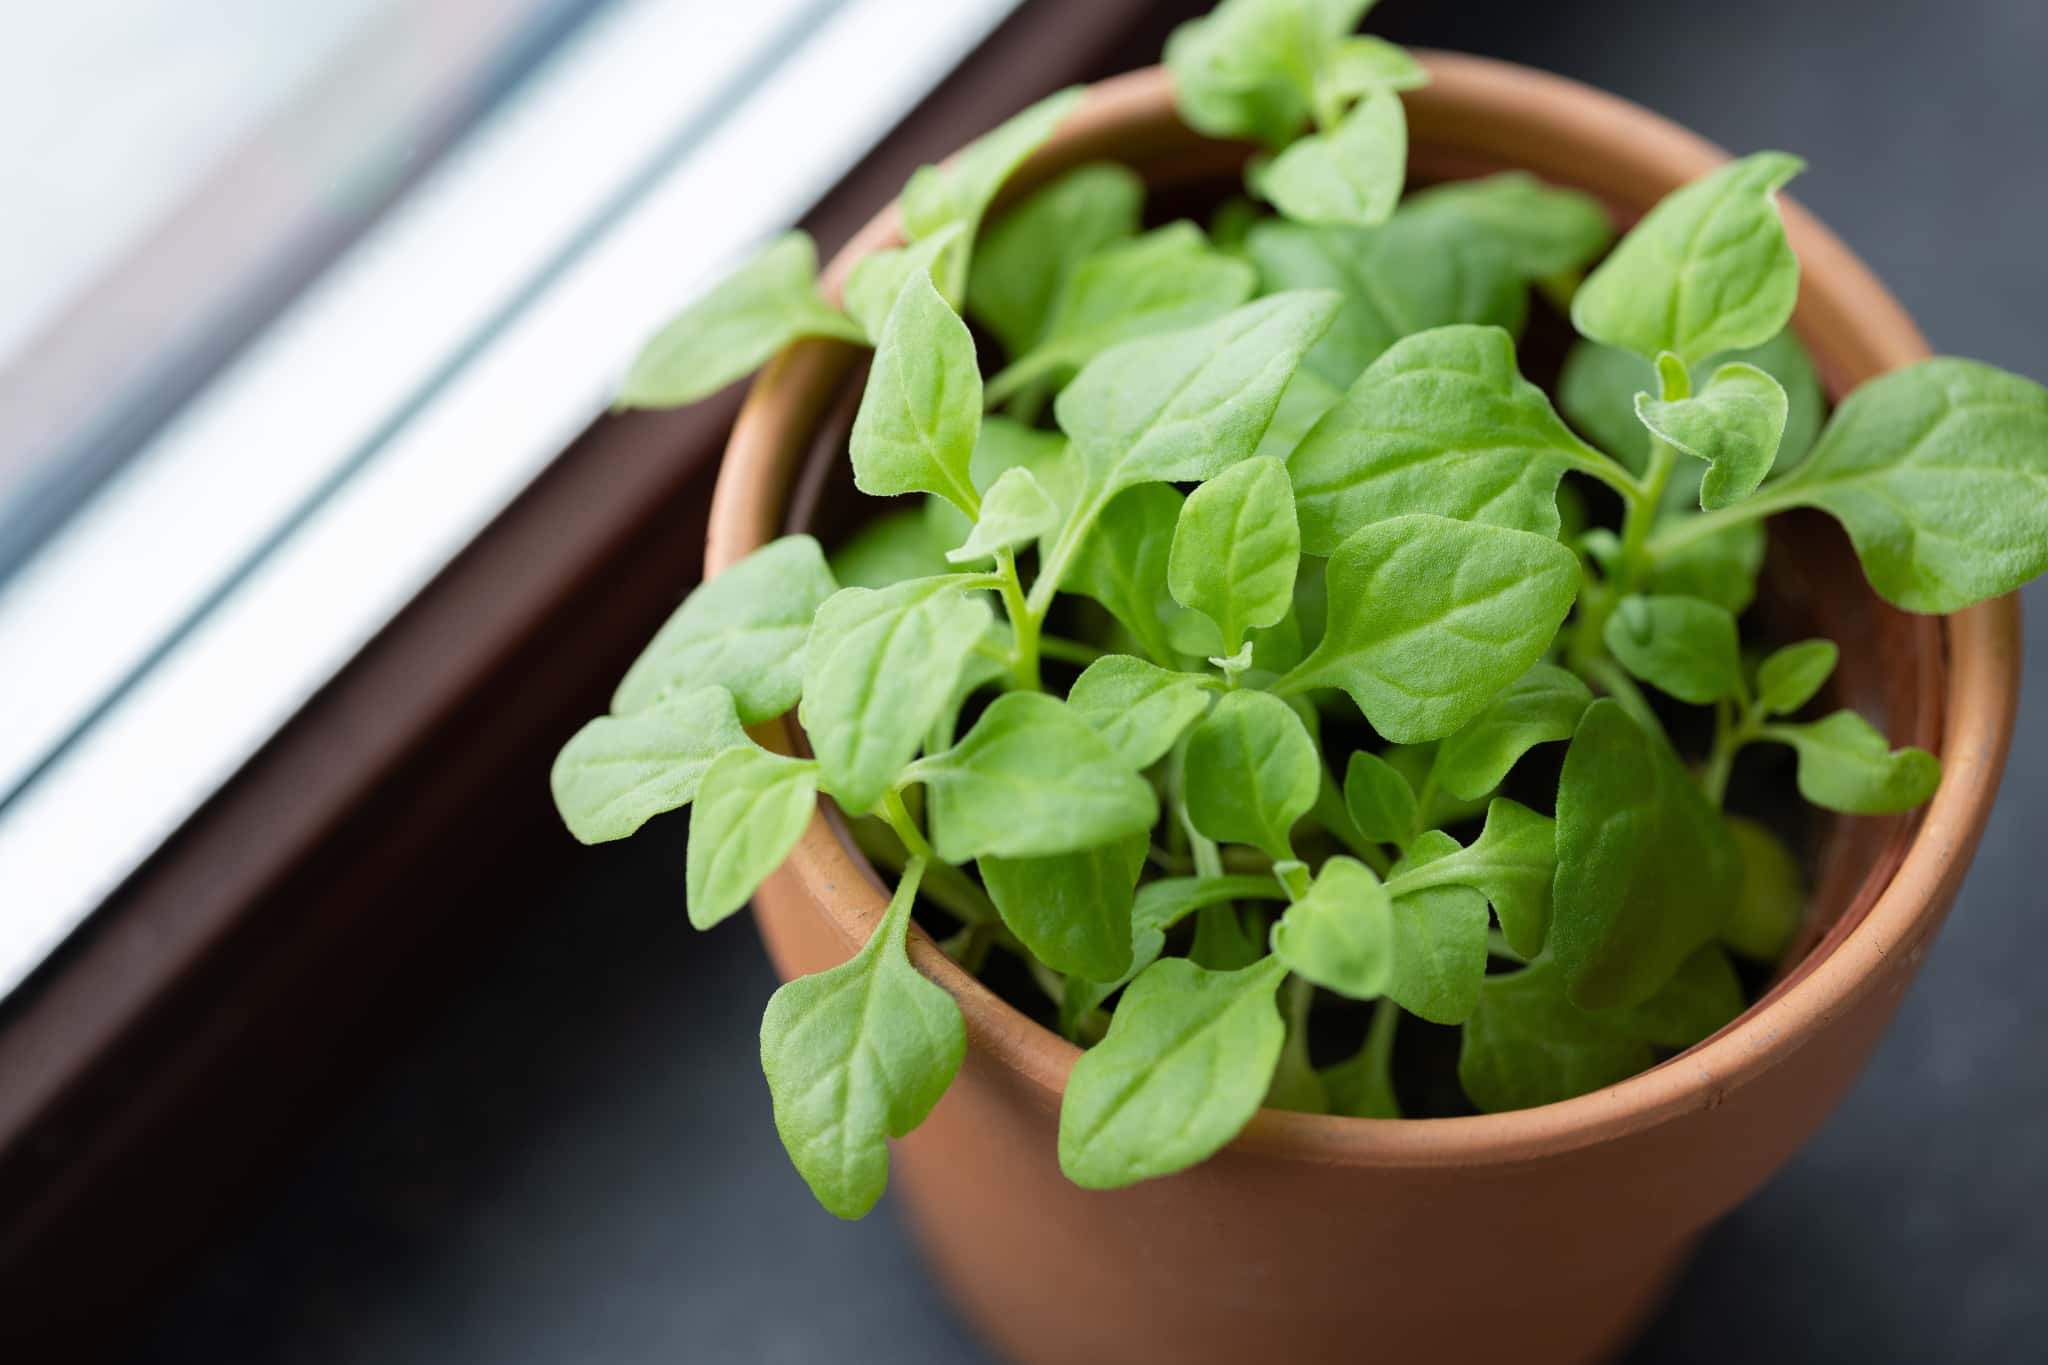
[(1360, 65), (1541, 706), (1439, 939), (961, 190), (1512, 863), (1235, 550), (1773, 899), (743, 630), (1678, 645), (1302, 404), (1015, 512), (1031, 778), (1409, 274), (1341, 934), (1646, 870), (879, 669), (1186, 405), (878, 278), (1706, 270), (1026, 255), (1541, 229), (1072, 910), (856, 1055), (1167, 279), (752, 807), (1248, 68), (1140, 709), (1252, 771), (1164, 903), (1123, 563), (1351, 174), (1940, 473), (1701, 998), (921, 411), (1789, 677), (1430, 618), (890, 549), (733, 330), (1597, 393), (1846, 764), (618, 772), (1188, 1057), (1442, 423), (1734, 424), (1380, 801), (1527, 1045)]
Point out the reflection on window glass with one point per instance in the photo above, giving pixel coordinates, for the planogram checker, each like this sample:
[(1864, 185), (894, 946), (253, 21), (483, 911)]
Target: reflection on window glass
[(185, 166)]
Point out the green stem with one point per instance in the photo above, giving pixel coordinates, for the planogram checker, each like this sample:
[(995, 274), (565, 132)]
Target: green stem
[(899, 819), (1020, 375), (1023, 625), (1497, 946), (1609, 676), (1061, 557), (1068, 651), (1699, 525)]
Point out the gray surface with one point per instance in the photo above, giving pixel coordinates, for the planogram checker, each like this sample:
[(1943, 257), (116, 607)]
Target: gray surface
[(580, 1165)]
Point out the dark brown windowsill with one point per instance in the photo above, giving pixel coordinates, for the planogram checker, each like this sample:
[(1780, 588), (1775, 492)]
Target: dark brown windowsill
[(285, 943)]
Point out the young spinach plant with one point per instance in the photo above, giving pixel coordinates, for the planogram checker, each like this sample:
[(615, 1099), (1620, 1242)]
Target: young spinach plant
[(1197, 664)]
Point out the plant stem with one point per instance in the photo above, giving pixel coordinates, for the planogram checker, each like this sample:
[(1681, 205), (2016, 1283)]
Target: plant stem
[(1068, 651), (1023, 625), (899, 819), (1616, 683), (1061, 557), (1497, 946)]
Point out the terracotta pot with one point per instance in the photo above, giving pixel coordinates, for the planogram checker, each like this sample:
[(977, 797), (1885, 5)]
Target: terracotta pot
[(1545, 1235)]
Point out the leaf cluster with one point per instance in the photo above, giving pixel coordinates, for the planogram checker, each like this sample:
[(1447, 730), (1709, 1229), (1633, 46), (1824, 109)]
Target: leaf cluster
[(1236, 654)]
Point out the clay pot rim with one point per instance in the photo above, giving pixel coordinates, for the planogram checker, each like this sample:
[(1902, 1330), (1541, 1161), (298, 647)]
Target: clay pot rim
[(1466, 97)]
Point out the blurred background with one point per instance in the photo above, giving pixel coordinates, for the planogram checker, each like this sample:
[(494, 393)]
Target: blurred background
[(319, 1040)]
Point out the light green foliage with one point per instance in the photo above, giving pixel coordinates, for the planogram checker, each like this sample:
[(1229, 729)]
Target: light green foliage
[(1441, 423), (880, 667), (1678, 645), (1527, 1044), (1187, 405), (1646, 870), (1701, 997), (1706, 270), (733, 330), (1341, 934), (1597, 393), (1302, 404), (1788, 678), (1140, 709), (1380, 801), (1188, 1057), (752, 807), (743, 630), (1362, 1086), (1025, 257), (959, 193), (1235, 549), (1167, 279), (1846, 764), (1123, 563), (1540, 707), (1351, 174), (618, 772), (1540, 229), (921, 412), (1430, 618), (1734, 424), (878, 278), (1411, 273), (1773, 899), (1016, 512), (1512, 863), (1940, 473), (1249, 68), (892, 548), (856, 1055), (1072, 910), (1439, 939), (1252, 771), (1361, 64), (1031, 778)]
